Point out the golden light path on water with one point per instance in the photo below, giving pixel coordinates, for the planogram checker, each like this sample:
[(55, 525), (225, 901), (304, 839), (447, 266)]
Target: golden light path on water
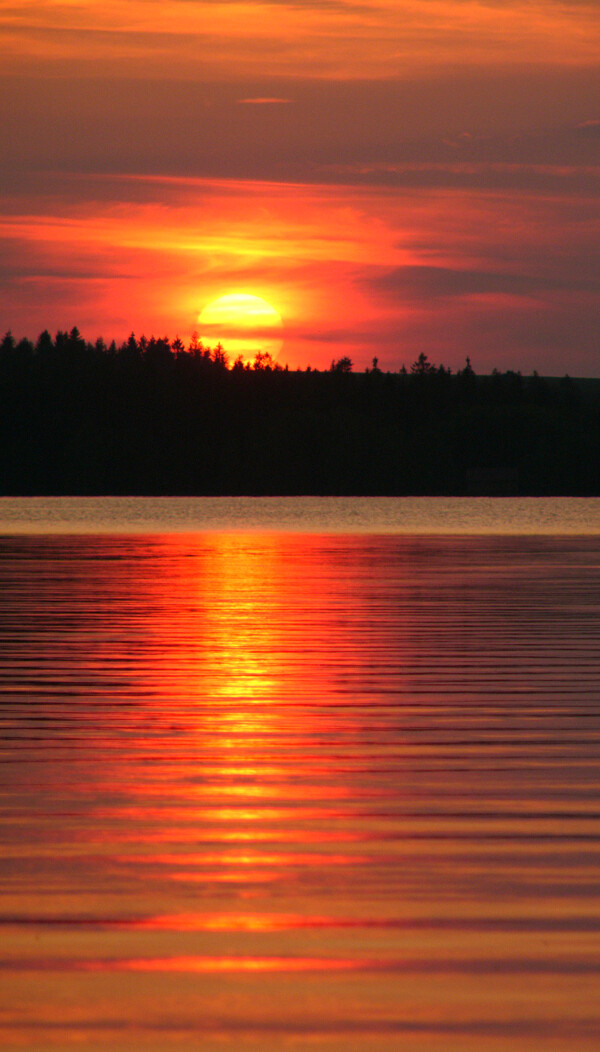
[(264, 791)]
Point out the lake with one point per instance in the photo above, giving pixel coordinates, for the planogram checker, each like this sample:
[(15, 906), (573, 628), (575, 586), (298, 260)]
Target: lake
[(314, 776)]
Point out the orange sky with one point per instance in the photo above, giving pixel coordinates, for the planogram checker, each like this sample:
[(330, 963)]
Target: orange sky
[(391, 177)]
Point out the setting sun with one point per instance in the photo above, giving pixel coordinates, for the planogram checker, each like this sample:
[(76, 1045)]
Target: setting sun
[(243, 323)]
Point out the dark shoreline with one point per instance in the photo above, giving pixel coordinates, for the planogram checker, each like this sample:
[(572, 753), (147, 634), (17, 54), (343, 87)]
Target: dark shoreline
[(155, 419)]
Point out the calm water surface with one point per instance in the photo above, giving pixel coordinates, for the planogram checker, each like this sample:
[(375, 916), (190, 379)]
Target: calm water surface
[(268, 791)]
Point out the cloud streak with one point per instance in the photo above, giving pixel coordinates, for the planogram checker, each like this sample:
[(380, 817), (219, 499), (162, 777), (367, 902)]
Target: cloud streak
[(262, 101), (366, 40)]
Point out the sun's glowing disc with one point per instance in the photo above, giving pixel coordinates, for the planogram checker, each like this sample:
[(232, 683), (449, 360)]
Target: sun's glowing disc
[(243, 324)]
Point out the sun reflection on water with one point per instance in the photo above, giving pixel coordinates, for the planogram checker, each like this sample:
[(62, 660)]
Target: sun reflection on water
[(254, 780)]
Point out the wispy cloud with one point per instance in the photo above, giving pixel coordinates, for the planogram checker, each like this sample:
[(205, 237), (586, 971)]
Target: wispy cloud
[(262, 101), (228, 40)]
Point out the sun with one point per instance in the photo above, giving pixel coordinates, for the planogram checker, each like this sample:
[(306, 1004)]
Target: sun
[(243, 323)]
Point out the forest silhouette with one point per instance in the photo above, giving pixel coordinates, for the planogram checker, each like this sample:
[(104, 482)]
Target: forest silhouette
[(154, 417)]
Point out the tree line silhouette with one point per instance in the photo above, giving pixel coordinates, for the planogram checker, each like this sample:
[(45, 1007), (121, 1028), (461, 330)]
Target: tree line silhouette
[(152, 416)]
